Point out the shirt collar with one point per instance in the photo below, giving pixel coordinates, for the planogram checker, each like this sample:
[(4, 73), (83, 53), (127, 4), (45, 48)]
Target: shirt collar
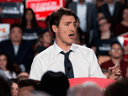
[(58, 49), (112, 4)]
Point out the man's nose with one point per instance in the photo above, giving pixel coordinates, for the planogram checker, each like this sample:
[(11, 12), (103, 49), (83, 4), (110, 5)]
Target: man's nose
[(73, 28)]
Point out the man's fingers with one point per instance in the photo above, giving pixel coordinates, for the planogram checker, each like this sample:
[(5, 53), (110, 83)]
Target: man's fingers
[(118, 74), (118, 71)]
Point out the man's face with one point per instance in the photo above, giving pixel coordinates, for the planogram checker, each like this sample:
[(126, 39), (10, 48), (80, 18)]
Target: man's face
[(16, 34), (110, 1), (104, 25), (66, 30), (116, 51)]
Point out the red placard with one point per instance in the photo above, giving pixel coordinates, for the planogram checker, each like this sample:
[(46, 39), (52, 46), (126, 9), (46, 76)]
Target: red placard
[(43, 8), (101, 82)]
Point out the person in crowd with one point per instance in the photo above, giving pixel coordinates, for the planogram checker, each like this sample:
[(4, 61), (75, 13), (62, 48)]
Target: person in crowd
[(112, 11), (96, 32), (5, 89), (99, 3), (85, 12), (23, 76), (14, 87), (19, 50), (67, 3), (80, 37), (116, 53), (100, 15), (54, 83), (122, 27), (6, 65), (47, 21), (117, 89), (26, 87), (88, 90), (30, 27), (45, 40), (82, 61), (101, 45)]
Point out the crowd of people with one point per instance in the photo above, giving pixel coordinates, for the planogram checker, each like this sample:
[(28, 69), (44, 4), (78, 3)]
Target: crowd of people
[(101, 26)]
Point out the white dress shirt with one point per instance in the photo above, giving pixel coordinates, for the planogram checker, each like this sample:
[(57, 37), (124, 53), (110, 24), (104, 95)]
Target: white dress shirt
[(83, 60), (111, 8), (81, 13)]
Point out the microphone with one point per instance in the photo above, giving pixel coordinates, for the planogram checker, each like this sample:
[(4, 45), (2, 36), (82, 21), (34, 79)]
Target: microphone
[(68, 68)]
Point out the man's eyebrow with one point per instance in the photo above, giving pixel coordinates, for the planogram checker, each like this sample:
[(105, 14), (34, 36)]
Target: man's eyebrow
[(68, 22), (75, 22)]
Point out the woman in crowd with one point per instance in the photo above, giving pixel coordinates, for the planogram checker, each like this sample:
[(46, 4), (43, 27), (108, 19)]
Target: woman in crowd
[(7, 66), (14, 87), (45, 40), (122, 27), (29, 25)]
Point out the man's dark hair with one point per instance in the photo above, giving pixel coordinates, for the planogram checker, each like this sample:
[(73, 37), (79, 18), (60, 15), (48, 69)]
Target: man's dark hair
[(54, 83), (28, 82), (119, 88), (15, 25), (57, 15), (118, 44)]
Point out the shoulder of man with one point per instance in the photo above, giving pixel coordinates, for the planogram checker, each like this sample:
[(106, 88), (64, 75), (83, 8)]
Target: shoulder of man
[(5, 42), (83, 48), (45, 52)]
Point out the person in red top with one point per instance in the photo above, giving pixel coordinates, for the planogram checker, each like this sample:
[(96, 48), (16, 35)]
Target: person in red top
[(116, 54)]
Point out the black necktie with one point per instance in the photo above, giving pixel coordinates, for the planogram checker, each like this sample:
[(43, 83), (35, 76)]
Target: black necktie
[(68, 65)]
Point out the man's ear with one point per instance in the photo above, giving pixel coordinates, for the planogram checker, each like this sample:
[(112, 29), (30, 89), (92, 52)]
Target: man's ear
[(54, 28)]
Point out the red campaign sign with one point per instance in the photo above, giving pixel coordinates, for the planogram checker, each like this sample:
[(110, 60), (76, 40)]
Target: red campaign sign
[(101, 82), (43, 8)]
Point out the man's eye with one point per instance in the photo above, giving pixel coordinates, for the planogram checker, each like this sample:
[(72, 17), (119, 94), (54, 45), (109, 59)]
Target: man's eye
[(74, 24), (67, 24)]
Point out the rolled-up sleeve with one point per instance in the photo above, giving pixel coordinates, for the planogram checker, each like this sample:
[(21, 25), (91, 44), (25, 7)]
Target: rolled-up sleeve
[(36, 71), (95, 70)]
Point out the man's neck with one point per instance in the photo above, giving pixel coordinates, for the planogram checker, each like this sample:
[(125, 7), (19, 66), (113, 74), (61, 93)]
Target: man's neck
[(63, 46), (110, 3), (16, 43), (105, 35), (116, 60), (81, 3)]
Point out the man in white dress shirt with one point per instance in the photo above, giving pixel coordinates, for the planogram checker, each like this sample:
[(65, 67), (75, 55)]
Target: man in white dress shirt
[(83, 59)]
